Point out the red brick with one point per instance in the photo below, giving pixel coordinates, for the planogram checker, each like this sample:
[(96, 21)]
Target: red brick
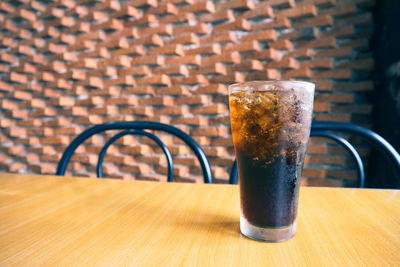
[(153, 39), (16, 132), (75, 130), (200, 28), (233, 77), (173, 49), (279, 23), (199, 7), (187, 60), (282, 45), (191, 80), (62, 101), (267, 74), (156, 159), (29, 123), (136, 50), (341, 10), (262, 11), (285, 63), (174, 90), (322, 107), (91, 119), (44, 168), (343, 174), (210, 131), (332, 160), (202, 140), (197, 121), (164, 8), (299, 11), (281, 3), (219, 16), (157, 101), (18, 78), (141, 70), (6, 86), (320, 21), (185, 38), (4, 68), (299, 73), (211, 109), (266, 54), (186, 160), (325, 183), (217, 68), (176, 110), (145, 20), (334, 117), (237, 25), (106, 110), (247, 46), (178, 170), (300, 53), (340, 74), (335, 52), (173, 70), (318, 64), (193, 100), (137, 149), (320, 43), (264, 36), (149, 60), (236, 5), (126, 11), (112, 24), (155, 79), (7, 7), (224, 119), (221, 38), (247, 66), (335, 98), (212, 89), (145, 111), (208, 49), (182, 17), (55, 140), (138, 90), (227, 57), (323, 85), (316, 173), (300, 33)]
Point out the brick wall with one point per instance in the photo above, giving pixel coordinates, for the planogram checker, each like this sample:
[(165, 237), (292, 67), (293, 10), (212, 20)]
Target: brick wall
[(71, 64)]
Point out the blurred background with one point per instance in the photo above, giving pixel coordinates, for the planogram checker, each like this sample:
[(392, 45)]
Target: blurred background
[(66, 65)]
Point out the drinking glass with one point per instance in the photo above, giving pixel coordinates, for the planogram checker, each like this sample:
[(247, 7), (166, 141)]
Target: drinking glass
[(270, 123)]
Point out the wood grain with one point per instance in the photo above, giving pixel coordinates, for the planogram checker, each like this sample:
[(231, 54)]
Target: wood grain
[(49, 220)]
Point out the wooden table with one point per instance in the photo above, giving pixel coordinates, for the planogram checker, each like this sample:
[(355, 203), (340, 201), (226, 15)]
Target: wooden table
[(50, 220)]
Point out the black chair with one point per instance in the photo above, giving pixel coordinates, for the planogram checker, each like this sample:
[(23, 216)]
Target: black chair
[(327, 129), (136, 128)]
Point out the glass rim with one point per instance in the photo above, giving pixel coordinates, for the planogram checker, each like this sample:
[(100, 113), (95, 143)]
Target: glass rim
[(282, 85)]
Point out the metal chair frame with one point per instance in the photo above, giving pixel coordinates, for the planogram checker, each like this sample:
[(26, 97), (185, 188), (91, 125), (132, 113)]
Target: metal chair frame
[(136, 128), (325, 129)]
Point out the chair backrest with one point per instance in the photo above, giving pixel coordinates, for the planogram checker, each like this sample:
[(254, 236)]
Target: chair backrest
[(329, 129), (136, 128)]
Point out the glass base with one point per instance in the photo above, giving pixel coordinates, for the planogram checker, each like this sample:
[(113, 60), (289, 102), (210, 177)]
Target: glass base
[(268, 234)]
